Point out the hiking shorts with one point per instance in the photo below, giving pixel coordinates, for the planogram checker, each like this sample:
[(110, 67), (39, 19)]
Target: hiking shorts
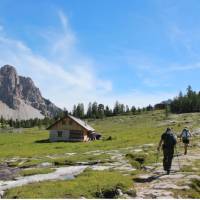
[(186, 141)]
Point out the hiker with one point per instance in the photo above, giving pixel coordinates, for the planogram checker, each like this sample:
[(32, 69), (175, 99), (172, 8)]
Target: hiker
[(168, 142), (185, 138)]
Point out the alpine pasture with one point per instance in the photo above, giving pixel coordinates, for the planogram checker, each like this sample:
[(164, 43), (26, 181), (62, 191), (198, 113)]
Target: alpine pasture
[(115, 157)]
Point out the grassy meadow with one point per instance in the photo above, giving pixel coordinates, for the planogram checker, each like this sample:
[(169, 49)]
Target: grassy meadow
[(90, 184), (31, 148), (126, 131)]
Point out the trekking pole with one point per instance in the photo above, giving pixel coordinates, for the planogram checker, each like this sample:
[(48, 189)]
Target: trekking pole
[(157, 157), (178, 159)]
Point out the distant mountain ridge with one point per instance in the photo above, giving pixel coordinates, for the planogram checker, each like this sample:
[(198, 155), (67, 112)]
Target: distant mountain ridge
[(20, 98)]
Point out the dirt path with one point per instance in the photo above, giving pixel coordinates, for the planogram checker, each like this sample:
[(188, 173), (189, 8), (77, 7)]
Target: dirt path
[(156, 184)]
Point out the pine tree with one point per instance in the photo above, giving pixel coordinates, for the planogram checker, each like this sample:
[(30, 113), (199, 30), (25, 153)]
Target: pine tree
[(121, 109), (133, 110), (95, 110), (80, 110), (116, 109), (127, 109), (108, 112), (2, 122), (101, 111), (139, 110), (186, 103), (89, 110), (149, 108), (74, 111)]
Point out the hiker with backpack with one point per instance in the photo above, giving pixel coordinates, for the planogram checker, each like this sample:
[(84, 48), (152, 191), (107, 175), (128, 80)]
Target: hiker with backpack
[(168, 143), (185, 138)]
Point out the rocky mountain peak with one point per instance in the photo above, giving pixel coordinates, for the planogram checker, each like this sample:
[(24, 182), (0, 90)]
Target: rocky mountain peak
[(14, 89), (8, 69), (9, 75)]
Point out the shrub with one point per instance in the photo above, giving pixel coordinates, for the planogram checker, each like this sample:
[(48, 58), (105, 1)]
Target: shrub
[(136, 160)]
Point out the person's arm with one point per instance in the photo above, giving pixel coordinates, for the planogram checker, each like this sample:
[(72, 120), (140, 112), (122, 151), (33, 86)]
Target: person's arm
[(159, 145), (181, 136)]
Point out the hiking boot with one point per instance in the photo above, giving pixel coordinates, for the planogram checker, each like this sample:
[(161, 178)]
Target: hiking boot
[(168, 172)]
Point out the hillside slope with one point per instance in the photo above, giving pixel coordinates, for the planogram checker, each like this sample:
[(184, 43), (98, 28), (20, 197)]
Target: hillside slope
[(20, 98), (23, 111), (126, 139)]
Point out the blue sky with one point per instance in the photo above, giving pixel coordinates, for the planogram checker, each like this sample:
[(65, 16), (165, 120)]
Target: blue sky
[(134, 51)]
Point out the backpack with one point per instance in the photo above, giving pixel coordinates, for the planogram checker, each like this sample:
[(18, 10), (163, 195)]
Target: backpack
[(169, 140), (185, 134)]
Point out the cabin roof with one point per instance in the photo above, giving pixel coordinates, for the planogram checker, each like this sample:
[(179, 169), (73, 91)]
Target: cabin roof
[(82, 123), (77, 120)]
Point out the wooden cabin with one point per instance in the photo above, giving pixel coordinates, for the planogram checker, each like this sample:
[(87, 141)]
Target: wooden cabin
[(69, 128)]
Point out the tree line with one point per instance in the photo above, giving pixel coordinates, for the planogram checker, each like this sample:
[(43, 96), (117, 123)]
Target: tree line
[(186, 103), (99, 111), (26, 123), (94, 111), (183, 103)]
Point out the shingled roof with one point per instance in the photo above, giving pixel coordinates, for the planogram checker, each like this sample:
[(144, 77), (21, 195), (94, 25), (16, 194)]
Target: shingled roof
[(77, 120), (82, 123)]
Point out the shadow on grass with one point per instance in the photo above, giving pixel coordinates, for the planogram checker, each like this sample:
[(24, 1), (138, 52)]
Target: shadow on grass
[(43, 141), (48, 141)]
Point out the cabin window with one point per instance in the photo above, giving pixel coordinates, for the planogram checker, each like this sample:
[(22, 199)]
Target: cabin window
[(60, 133)]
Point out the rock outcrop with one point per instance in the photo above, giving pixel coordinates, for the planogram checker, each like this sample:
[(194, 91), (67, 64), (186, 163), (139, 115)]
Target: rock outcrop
[(22, 98)]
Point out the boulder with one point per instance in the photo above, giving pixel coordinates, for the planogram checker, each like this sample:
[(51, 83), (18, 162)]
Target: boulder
[(119, 192), (131, 193)]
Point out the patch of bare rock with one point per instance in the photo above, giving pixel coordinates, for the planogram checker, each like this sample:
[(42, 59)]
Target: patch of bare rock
[(156, 184)]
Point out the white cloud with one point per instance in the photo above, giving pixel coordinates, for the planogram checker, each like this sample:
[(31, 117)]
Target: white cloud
[(65, 75), (69, 77), (157, 73), (64, 20)]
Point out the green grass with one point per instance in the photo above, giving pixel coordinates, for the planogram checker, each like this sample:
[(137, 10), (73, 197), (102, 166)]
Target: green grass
[(126, 131), (24, 164), (193, 192), (195, 189), (193, 167), (29, 172), (90, 184), (90, 159), (29, 163), (62, 160)]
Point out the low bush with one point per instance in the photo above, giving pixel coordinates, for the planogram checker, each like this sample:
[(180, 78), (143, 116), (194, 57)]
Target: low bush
[(136, 160)]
